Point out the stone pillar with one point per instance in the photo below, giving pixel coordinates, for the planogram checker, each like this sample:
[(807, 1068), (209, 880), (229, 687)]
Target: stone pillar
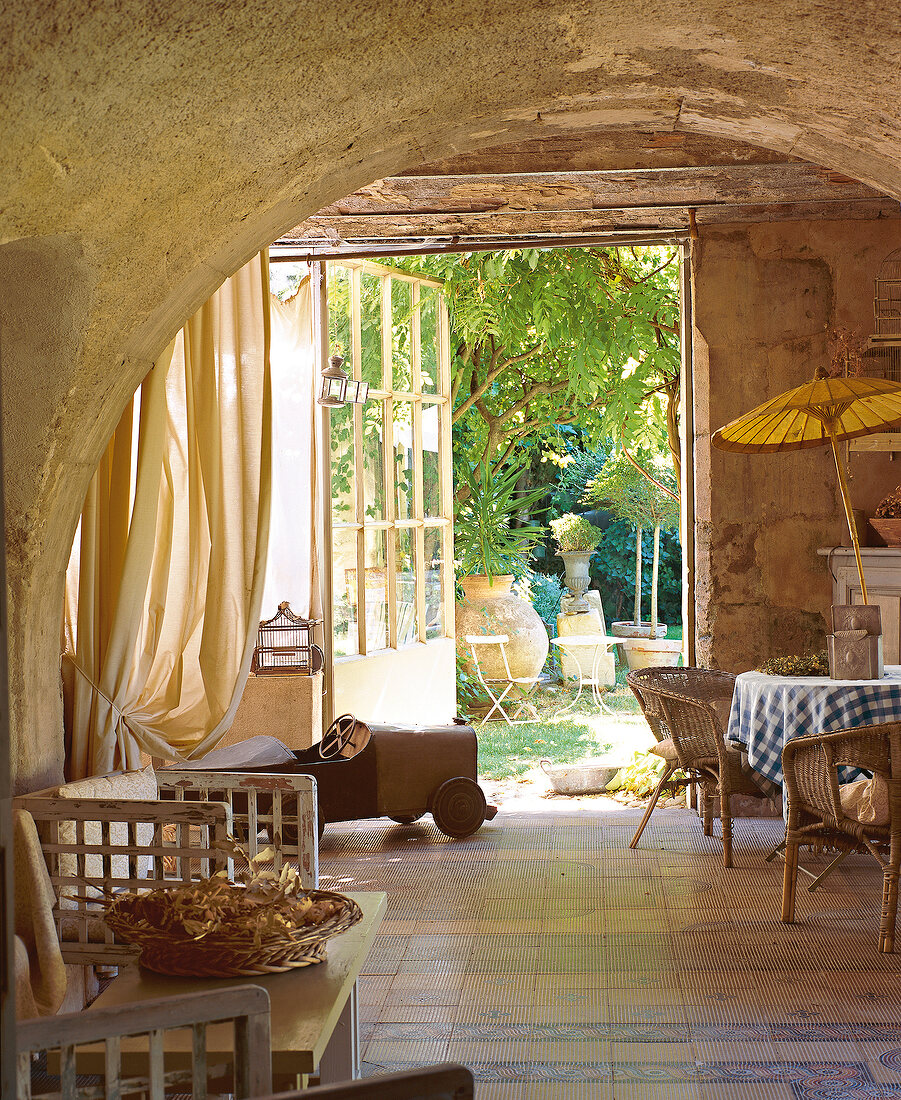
[(283, 705)]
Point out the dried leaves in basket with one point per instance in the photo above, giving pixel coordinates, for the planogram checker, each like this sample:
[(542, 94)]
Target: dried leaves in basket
[(261, 908), (813, 664), (264, 924)]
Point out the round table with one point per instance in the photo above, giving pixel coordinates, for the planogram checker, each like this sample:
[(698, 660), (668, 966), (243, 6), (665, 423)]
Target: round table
[(767, 711), (601, 643)]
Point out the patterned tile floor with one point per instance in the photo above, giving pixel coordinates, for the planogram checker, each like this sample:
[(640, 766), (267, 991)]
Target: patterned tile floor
[(555, 962)]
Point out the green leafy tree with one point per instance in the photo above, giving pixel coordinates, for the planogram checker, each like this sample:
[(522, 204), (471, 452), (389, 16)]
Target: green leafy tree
[(646, 497), (551, 337)]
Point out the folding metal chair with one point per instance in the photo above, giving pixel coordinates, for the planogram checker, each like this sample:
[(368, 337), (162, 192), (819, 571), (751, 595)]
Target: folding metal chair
[(509, 683)]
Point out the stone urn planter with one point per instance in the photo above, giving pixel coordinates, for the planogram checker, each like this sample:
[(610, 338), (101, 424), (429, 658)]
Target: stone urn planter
[(494, 609), (577, 578)]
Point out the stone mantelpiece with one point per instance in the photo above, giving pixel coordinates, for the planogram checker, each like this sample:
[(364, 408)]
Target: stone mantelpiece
[(882, 569)]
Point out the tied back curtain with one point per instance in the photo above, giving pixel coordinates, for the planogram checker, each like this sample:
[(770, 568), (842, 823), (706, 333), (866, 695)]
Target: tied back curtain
[(164, 589), (292, 572)]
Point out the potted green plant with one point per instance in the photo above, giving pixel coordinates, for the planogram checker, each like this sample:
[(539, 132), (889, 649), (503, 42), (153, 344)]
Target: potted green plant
[(576, 539), (643, 499), (491, 550)]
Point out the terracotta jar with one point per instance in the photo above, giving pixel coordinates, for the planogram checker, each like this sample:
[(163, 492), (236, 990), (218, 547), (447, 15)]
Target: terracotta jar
[(493, 609)]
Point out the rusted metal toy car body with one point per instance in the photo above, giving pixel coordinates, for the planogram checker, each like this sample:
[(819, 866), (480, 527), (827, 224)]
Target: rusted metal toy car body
[(366, 770)]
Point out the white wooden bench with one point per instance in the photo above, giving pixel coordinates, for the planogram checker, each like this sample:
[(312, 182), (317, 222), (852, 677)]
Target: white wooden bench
[(62, 1038), (95, 845), (283, 805)]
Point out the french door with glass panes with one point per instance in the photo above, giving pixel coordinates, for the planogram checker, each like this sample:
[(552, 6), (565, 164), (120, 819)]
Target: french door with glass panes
[(392, 589)]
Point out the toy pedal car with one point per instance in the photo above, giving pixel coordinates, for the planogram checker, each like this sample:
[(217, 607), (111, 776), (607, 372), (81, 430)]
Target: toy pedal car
[(366, 770)]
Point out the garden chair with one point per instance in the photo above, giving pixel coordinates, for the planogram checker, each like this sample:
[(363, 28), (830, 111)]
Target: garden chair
[(686, 708), (507, 690), (864, 816)]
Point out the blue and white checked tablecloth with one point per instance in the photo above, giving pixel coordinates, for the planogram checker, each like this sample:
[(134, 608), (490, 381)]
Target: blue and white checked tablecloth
[(767, 711)]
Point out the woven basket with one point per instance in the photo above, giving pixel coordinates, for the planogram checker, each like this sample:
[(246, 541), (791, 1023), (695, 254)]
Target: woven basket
[(225, 955)]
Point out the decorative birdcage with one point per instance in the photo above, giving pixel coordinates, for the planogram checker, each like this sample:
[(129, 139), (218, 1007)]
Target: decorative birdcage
[(887, 303), (285, 644)]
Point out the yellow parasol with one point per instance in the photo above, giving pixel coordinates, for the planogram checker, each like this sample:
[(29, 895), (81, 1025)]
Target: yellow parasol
[(826, 410)]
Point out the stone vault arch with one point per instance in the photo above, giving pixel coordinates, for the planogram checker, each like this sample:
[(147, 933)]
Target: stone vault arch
[(149, 152)]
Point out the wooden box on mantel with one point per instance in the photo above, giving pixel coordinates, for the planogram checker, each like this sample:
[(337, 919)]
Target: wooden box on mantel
[(283, 705), (882, 569)]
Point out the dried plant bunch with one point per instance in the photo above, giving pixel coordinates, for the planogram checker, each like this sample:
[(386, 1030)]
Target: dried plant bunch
[(812, 664), (263, 904), (890, 506), (263, 924)]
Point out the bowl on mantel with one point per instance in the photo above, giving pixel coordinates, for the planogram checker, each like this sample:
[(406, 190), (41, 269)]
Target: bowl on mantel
[(888, 529)]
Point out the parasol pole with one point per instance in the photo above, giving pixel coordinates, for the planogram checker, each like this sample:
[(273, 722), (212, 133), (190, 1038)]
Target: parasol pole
[(846, 500)]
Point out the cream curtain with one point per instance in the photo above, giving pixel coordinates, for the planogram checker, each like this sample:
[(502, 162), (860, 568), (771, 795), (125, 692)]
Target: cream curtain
[(164, 592), (292, 569)]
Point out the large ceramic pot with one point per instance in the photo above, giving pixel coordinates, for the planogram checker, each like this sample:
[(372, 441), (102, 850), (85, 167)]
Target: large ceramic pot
[(494, 609), (653, 652), (639, 652)]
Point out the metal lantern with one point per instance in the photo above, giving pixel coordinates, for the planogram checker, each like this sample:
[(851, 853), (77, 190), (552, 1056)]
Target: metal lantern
[(888, 297), (285, 644), (333, 388)]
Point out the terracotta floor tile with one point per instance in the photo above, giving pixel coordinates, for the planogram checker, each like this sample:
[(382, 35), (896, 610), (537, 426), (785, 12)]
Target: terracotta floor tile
[(560, 964)]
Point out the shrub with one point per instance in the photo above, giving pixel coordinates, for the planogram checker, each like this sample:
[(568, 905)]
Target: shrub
[(573, 533)]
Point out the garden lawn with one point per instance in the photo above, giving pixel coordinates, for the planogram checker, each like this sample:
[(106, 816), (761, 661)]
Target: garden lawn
[(507, 752)]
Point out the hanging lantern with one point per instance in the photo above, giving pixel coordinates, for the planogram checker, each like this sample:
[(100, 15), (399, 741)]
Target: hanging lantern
[(333, 388)]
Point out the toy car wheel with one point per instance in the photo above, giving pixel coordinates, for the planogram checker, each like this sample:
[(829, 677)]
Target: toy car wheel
[(406, 819), (459, 807)]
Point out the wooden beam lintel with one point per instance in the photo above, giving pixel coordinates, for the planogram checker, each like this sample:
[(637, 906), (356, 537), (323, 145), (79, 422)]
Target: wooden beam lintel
[(578, 190), (524, 223)]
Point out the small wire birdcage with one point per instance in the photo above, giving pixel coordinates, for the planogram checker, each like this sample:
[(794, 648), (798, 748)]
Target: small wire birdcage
[(285, 644), (887, 304)]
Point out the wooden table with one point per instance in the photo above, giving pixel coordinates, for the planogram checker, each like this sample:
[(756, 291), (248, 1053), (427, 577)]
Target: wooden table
[(313, 1010)]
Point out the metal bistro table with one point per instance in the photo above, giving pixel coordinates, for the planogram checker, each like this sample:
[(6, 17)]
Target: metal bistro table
[(767, 711), (601, 644)]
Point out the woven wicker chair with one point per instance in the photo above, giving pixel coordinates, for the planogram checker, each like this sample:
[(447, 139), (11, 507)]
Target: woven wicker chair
[(816, 817), (684, 708)]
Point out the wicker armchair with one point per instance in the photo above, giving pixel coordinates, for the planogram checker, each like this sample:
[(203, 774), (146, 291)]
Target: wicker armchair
[(816, 816), (685, 709)]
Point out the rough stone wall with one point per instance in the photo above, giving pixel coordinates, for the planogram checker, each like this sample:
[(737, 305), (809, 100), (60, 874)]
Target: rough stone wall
[(150, 149), (765, 299)]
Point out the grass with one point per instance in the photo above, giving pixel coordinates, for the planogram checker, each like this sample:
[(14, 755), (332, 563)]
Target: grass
[(507, 752)]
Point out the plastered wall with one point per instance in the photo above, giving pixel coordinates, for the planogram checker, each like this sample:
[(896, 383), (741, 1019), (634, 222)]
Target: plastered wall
[(766, 298)]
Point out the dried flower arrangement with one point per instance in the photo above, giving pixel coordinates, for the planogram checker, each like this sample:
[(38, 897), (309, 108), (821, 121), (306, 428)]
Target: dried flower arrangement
[(890, 506), (215, 927), (813, 664), (846, 349)]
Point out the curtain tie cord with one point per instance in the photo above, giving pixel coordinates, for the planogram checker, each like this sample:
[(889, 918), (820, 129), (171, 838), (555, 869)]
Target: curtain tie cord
[(120, 714)]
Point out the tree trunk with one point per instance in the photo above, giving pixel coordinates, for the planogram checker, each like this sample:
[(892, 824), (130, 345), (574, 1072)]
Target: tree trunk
[(637, 619), (653, 633)]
